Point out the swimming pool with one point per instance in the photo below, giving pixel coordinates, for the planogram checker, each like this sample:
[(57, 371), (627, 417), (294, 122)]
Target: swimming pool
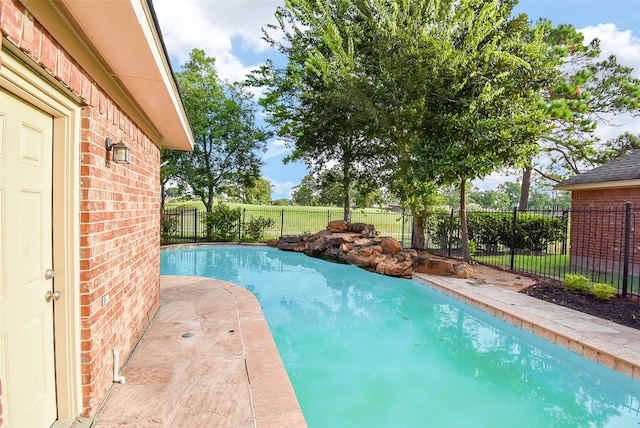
[(365, 350)]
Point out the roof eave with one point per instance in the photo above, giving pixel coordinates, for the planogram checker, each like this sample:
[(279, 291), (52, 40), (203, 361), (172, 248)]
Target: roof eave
[(103, 37), (600, 185)]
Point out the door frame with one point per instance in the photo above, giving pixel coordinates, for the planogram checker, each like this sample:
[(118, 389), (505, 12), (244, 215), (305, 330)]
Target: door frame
[(24, 78)]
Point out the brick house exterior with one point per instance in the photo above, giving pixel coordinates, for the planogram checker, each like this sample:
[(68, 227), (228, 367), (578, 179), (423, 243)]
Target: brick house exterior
[(600, 199), (98, 70)]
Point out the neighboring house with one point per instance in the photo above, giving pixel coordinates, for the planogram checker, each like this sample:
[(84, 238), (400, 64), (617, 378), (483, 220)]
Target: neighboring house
[(72, 74), (605, 209)]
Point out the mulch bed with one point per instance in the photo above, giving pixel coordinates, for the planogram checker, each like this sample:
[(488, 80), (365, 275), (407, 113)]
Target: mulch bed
[(625, 311)]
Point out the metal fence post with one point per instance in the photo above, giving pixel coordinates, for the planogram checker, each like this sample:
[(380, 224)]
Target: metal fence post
[(282, 223), (402, 233), (195, 225), (450, 234), (241, 223), (181, 223), (565, 217), (513, 236), (627, 246)]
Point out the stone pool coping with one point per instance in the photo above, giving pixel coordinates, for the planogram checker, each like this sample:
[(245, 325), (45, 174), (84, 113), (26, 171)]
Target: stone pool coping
[(605, 342)]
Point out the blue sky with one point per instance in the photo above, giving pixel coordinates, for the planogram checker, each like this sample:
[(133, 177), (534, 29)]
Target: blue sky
[(230, 31)]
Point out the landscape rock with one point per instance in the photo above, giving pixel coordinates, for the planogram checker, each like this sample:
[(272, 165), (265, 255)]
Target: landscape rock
[(272, 242), (325, 242), (338, 226), (390, 246), (318, 235), (359, 227), (363, 257), (359, 244), (392, 267), (291, 246), (434, 265), (463, 270)]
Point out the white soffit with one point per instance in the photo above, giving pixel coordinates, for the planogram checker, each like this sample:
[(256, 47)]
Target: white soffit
[(118, 44)]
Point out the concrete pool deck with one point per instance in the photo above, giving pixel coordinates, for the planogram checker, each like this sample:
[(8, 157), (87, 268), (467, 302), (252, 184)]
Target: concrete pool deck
[(208, 358)]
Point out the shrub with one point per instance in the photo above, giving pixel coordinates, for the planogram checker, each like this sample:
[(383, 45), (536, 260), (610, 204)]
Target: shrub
[(472, 246), (534, 232), (603, 291), (437, 225), (489, 230), (222, 223), (577, 283), (254, 229), (168, 227)]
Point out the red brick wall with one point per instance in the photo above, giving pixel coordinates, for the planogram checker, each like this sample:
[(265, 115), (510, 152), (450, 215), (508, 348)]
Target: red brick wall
[(119, 214), (598, 225)]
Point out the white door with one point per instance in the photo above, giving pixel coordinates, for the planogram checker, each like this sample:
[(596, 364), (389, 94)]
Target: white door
[(26, 305)]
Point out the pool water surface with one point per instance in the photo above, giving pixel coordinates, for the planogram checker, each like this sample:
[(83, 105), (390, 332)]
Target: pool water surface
[(366, 350)]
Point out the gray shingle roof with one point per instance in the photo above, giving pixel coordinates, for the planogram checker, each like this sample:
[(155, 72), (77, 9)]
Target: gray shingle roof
[(622, 169)]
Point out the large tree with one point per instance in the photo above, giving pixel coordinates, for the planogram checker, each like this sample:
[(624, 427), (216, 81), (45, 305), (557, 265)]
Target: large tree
[(325, 188), (589, 94), (352, 91), (485, 96), (227, 141), (169, 172), (256, 192), (320, 106), (437, 91)]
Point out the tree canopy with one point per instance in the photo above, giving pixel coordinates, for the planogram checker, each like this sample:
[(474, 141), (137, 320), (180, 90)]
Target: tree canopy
[(227, 140), (410, 96), (430, 92)]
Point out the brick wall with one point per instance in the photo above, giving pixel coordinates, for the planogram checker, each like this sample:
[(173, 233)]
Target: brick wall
[(119, 214), (581, 199), (598, 227)]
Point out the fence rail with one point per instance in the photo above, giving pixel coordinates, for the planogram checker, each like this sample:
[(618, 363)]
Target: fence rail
[(601, 244)]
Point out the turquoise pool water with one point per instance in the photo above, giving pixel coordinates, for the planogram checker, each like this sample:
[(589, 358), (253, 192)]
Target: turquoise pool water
[(365, 350)]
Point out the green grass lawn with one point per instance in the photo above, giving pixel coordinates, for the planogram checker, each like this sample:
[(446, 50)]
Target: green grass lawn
[(549, 265), (297, 220), (557, 266)]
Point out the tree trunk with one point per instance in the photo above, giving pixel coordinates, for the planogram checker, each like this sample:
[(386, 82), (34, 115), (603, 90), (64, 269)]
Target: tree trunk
[(208, 204), (417, 237), (346, 178), (525, 188), (347, 205), (464, 231)]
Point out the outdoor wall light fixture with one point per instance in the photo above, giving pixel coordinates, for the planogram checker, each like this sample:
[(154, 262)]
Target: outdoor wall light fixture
[(119, 152)]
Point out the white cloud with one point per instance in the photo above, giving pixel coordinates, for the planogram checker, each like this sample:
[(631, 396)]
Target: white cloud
[(626, 47), (495, 179), (280, 189), (623, 44), (211, 25), (275, 149)]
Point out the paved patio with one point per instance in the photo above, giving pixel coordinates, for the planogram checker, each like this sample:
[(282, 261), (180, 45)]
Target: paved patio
[(209, 360)]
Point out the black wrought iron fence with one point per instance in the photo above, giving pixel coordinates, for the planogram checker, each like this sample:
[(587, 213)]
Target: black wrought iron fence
[(601, 244), (180, 225)]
